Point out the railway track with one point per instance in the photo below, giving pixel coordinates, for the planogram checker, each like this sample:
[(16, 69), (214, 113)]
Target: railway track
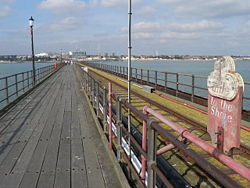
[(139, 100)]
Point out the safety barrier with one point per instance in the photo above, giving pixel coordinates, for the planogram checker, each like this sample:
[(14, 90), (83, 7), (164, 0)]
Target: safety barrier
[(141, 155), (14, 86), (187, 86)]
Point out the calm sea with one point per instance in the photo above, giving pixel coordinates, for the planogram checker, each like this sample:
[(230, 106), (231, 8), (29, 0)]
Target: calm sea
[(10, 69), (13, 68)]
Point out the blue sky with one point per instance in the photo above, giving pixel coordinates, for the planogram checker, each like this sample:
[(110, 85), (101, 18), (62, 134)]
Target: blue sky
[(195, 27)]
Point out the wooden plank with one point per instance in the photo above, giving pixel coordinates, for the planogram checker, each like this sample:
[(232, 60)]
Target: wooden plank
[(62, 179), (15, 131), (66, 125), (46, 180), (47, 175), (18, 148)]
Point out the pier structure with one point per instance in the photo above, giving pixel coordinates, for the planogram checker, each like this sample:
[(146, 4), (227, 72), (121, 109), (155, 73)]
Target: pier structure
[(71, 130), (49, 139)]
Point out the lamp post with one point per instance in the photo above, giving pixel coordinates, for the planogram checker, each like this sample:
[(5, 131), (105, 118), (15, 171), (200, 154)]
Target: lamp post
[(31, 22)]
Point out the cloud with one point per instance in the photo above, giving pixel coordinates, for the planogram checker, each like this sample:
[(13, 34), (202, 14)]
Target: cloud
[(146, 11), (119, 3), (66, 24), (4, 11), (248, 23), (208, 9), (63, 6), (6, 1), (197, 26), (143, 26)]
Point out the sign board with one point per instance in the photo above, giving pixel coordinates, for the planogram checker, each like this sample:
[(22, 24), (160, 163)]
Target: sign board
[(225, 88)]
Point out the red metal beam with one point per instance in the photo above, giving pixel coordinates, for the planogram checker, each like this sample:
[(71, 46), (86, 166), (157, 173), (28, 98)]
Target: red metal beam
[(231, 163)]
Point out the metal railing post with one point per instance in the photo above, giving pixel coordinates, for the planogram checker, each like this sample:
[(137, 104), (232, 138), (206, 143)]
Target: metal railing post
[(23, 80), (192, 96), (147, 76), (177, 85), (7, 90), (155, 79), (144, 147), (97, 98), (16, 85), (151, 155), (104, 109), (166, 81), (119, 129), (110, 116), (141, 75), (136, 74), (93, 91), (28, 79)]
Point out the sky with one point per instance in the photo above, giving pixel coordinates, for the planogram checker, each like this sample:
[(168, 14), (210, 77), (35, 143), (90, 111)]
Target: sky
[(183, 27)]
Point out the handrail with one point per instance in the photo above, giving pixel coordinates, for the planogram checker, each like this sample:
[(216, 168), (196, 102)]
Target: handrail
[(144, 165), (188, 86), (14, 86)]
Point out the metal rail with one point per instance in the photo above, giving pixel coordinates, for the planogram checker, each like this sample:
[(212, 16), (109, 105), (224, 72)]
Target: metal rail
[(148, 151), (186, 86), (199, 126), (14, 86)]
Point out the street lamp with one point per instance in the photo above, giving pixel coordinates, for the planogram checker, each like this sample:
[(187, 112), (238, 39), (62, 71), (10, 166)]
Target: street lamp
[(31, 22)]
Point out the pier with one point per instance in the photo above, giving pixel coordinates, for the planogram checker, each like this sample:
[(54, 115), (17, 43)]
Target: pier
[(77, 129), (49, 139)]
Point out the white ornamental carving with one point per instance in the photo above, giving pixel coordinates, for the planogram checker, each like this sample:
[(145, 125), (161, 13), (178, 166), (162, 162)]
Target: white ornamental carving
[(224, 82)]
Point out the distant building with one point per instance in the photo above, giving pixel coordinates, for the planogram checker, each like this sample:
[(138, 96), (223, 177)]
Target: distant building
[(42, 55)]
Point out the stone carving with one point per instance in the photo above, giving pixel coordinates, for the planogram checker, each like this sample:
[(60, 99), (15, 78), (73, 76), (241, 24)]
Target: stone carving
[(224, 82)]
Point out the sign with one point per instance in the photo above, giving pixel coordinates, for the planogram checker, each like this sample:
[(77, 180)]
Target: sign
[(225, 88)]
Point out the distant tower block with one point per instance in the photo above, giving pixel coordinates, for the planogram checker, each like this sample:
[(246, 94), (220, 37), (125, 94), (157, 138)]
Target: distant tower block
[(225, 88)]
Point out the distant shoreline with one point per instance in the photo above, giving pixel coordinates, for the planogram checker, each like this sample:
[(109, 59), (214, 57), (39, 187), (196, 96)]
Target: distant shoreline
[(13, 62)]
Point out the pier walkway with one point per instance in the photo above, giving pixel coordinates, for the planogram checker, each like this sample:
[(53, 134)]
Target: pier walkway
[(49, 139)]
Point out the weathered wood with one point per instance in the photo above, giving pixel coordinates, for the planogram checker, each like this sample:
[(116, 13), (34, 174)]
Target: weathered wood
[(50, 140)]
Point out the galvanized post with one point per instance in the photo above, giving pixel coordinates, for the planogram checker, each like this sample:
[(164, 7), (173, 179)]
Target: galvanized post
[(119, 129), (141, 75), (7, 90), (155, 79), (166, 81), (97, 99), (23, 80), (136, 74), (147, 76), (88, 93), (144, 147), (16, 85), (104, 109), (28, 79), (177, 84), (93, 91), (192, 97), (110, 116), (151, 155)]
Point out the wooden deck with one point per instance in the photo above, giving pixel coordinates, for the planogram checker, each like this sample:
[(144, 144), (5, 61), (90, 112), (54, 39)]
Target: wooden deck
[(50, 140)]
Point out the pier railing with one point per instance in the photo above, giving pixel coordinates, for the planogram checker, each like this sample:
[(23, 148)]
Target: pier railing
[(16, 85), (138, 147), (186, 86)]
